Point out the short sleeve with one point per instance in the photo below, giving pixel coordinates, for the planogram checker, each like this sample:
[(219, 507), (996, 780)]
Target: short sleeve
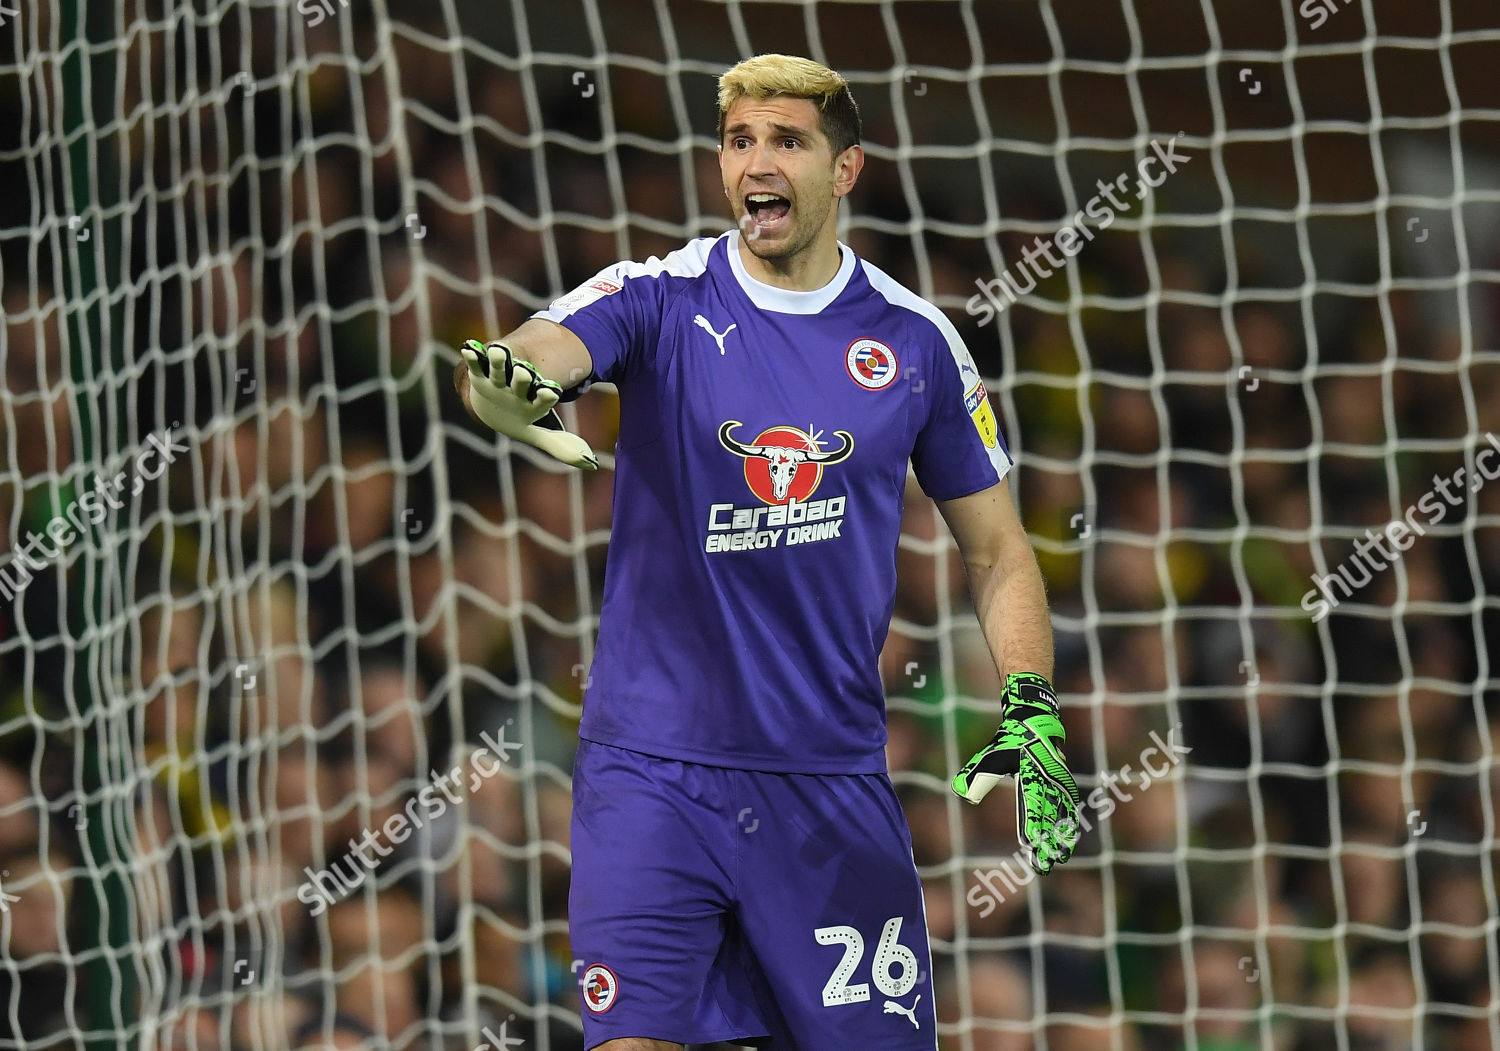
[(617, 314), (959, 449)]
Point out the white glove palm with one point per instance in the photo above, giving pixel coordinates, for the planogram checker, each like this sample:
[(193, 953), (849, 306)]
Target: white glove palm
[(510, 396)]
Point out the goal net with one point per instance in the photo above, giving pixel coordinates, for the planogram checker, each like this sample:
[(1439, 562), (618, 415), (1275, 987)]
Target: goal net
[(292, 656)]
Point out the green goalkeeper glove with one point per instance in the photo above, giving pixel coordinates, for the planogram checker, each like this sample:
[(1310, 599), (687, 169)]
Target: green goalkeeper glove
[(1028, 747), (510, 396)]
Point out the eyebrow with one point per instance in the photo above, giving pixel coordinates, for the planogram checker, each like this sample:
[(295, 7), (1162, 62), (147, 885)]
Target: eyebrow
[(783, 129)]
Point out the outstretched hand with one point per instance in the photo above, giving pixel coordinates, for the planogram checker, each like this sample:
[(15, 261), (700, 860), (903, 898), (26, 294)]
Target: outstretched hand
[(511, 396)]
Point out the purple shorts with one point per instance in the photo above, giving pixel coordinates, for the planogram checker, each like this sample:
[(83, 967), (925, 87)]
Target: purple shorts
[(781, 910)]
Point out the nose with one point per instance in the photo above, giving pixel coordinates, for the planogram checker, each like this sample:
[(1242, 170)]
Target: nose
[(762, 160)]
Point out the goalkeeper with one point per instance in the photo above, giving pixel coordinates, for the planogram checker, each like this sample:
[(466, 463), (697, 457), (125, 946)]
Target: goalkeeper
[(742, 869)]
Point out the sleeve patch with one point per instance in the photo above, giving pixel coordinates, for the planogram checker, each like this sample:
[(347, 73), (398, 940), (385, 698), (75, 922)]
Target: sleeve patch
[(977, 404), (586, 294)]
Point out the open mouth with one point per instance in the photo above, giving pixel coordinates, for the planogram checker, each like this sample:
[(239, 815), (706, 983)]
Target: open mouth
[(766, 210)]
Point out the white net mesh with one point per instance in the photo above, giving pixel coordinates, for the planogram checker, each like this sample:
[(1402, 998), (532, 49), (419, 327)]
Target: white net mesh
[(239, 240)]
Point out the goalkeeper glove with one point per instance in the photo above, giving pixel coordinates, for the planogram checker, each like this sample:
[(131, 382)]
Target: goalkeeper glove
[(510, 396), (1028, 747)]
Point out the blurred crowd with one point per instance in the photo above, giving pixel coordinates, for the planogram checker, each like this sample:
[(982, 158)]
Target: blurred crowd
[(345, 585)]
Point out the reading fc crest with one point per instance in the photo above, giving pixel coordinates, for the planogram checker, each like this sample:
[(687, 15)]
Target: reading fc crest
[(600, 987), (871, 364)]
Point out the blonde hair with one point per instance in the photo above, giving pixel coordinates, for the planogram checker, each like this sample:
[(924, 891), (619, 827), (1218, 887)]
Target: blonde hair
[(767, 76)]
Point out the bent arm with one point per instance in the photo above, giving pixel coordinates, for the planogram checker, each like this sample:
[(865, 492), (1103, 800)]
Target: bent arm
[(1009, 595), (555, 350)]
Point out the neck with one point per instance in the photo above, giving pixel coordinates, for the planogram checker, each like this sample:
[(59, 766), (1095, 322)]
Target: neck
[(806, 270)]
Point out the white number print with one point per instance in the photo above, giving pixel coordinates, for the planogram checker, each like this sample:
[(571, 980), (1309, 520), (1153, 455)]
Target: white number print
[(838, 990), (890, 955), (889, 952)]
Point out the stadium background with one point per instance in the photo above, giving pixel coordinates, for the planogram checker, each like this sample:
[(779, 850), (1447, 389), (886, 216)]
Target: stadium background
[(343, 583)]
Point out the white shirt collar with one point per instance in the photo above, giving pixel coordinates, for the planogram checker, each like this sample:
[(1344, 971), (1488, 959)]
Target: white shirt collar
[(786, 301)]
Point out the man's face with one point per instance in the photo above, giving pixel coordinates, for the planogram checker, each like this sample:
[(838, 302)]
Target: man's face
[(780, 174)]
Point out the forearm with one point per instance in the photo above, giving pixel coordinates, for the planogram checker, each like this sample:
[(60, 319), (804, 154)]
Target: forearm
[(1011, 603), (555, 350), (1009, 596)]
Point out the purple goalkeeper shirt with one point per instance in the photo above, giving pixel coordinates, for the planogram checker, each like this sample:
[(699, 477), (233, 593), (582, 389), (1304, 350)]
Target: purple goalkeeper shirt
[(759, 476)]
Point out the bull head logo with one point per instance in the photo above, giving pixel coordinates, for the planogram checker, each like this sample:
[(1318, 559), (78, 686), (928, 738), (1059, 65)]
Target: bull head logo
[(783, 459)]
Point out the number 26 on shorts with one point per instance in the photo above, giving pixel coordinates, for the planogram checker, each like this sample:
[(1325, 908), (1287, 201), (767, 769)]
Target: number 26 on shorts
[(890, 956)]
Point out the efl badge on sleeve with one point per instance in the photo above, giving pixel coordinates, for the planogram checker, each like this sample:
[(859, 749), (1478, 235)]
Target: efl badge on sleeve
[(583, 295), (977, 404)]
